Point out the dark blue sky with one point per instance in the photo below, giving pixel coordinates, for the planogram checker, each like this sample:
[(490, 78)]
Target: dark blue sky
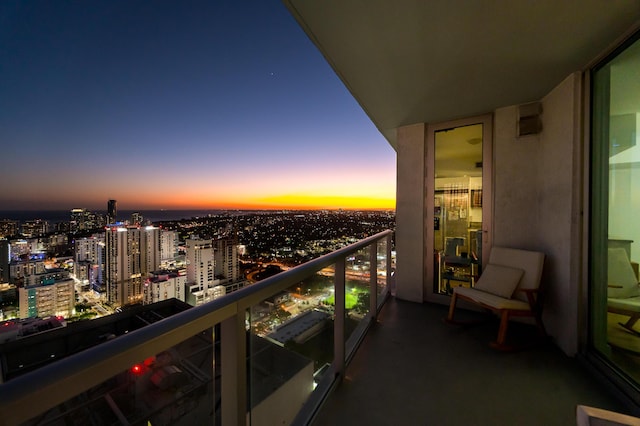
[(177, 104)]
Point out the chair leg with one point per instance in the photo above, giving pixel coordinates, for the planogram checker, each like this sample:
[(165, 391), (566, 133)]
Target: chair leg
[(502, 332), (452, 307), (630, 323), (541, 330)]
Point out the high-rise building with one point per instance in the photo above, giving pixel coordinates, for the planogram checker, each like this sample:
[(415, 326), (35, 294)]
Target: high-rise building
[(112, 212), (227, 262), (24, 248), (76, 222), (137, 218), (89, 260), (57, 243), (131, 254), (34, 228), (9, 228), (5, 253), (168, 245), (202, 285), (82, 220), (200, 262)]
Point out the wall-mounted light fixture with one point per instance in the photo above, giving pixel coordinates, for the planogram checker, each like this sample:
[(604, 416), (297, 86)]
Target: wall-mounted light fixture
[(529, 121)]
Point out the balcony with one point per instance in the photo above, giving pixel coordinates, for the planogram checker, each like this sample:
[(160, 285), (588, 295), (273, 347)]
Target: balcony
[(227, 363), (412, 368)]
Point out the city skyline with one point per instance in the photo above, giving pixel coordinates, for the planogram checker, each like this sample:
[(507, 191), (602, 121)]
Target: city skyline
[(190, 105)]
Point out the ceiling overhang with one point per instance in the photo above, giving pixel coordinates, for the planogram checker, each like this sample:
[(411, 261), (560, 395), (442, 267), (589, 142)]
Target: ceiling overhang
[(415, 61)]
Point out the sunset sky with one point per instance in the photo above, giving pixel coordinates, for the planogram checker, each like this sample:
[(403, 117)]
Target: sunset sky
[(178, 105)]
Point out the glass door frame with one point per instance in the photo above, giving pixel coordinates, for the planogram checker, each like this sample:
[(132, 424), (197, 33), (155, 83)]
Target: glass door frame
[(596, 233), (429, 185)]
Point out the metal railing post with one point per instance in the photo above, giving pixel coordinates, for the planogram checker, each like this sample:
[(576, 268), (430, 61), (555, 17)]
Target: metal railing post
[(373, 280), (233, 350), (338, 331), (388, 282)]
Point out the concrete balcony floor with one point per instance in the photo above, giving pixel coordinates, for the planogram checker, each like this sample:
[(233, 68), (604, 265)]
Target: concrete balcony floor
[(414, 369)]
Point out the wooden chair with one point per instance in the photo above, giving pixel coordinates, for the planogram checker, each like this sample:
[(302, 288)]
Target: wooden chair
[(623, 292), (509, 286)]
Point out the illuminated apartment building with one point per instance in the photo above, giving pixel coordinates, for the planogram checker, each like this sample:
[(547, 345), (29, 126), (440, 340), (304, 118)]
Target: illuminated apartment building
[(168, 246), (227, 262), (8, 228), (137, 219), (83, 220), (89, 248), (131, 254), (47, 296), (5, 251), (89, 259), (35, 228), (202, 285), (57, 243), (163, 285), (27, 247), (200, 262), (20, 269)]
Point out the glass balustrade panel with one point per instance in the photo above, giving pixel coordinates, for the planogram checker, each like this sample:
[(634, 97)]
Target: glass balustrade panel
[(291, 347), (381, 270), (173, 386), (357, 296)]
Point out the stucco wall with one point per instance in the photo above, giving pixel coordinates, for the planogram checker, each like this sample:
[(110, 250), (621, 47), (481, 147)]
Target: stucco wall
[(410, 212), (537, 191), (535, 200)]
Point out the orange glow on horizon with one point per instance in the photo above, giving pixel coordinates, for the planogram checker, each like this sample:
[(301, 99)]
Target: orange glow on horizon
[(277, 202), (312, 202)]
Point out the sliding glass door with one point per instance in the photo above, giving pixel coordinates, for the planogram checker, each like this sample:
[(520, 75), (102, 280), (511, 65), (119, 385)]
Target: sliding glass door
[(459, 203), (615, 206)]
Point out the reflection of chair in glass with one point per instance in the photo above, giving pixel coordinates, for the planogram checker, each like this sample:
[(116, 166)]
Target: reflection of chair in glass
[(453, 256), (455, 265), (623, 292), (451, 245), (508, 286)]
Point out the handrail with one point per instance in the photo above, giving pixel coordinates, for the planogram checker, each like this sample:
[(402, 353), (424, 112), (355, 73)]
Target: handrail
[(35, 392)]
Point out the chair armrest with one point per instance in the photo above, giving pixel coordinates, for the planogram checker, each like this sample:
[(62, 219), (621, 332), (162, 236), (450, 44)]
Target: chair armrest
[(529, 290), (531, 296)]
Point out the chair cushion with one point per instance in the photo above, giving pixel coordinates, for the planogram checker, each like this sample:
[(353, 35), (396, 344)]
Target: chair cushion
[(627, 304), (499, 280), (531, 262), (488, 299)]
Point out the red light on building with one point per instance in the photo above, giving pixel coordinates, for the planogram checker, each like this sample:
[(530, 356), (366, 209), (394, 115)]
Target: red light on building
[(136, 369)]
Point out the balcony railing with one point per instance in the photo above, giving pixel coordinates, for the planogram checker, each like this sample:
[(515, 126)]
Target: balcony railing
[(266, 354)]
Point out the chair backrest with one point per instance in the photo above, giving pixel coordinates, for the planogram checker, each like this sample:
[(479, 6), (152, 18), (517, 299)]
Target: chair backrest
[(621, 280), (451, 246), (531, 262)]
